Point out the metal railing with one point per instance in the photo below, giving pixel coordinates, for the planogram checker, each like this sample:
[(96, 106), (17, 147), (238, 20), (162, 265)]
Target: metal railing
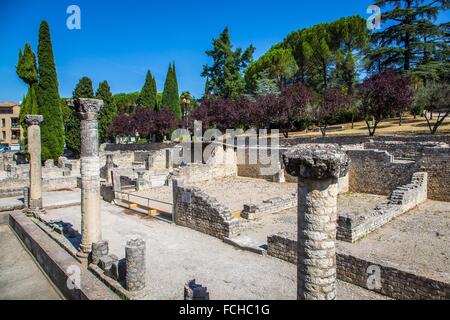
[(128, 199)]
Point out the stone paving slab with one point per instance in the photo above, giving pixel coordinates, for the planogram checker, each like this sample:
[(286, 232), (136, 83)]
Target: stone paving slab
[(20, 277)]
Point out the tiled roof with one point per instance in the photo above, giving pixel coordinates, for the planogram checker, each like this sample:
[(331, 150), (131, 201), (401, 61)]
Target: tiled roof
[(8, 104)]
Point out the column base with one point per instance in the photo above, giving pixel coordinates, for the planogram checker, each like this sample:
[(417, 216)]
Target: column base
[(34, 212)]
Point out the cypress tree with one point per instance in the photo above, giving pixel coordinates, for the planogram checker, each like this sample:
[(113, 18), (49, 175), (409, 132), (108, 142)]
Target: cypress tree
[(171, 97), (52, 128), (26, 70), (83, 89), (147, 97), (71, 121), (108, 112)]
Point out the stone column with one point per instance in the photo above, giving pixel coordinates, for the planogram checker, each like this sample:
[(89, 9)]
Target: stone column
[(318, 168), (88, 110), (34, 149), (135, 264)]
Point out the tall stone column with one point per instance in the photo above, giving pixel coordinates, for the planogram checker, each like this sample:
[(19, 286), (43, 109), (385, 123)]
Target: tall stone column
[(318, 168), (88, 110), (34, 149)]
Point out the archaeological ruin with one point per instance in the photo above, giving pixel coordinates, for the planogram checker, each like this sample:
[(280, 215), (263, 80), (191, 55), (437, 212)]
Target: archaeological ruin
[(341, 217)]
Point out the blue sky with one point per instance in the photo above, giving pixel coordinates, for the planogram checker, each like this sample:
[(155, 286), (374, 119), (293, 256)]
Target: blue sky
[(120, 40)]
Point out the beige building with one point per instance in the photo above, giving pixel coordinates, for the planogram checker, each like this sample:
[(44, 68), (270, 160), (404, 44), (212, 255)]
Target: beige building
[(10, 129)]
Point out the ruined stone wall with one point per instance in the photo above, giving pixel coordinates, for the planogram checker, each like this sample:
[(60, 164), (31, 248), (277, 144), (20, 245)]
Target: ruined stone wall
[(436, 162), (352, 228), (360, 139), (377, 172), (395, 283), (254, 211), (196, 210), (14, 187), (252, 165), (221, 164), (409, 150)]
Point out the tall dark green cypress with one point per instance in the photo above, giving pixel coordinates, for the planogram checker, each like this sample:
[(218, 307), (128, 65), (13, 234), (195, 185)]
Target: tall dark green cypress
[(108, 112), (147, 97), (71, 121), (171, 97), (27, 70), (48, 98)]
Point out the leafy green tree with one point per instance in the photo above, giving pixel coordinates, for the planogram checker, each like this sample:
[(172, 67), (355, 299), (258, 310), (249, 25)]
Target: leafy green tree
[(26, 70), (434, 97), (126, 102), (349, 40), (48, 98), (411, 42), (277, 64), (225, 74), (265, 85), (71, 121), (147, 97), (170, 97), (107, 113)]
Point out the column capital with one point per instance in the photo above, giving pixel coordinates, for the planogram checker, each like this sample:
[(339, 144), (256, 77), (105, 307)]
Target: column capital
[(316, 161), (86, 108), (34, 120)]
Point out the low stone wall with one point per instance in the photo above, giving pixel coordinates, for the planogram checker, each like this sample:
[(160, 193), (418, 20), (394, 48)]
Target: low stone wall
[(13, 188), (254, 211), (283, 246), (395, 283), (196, 210), (57, 263), (377, 172), (352, 228)]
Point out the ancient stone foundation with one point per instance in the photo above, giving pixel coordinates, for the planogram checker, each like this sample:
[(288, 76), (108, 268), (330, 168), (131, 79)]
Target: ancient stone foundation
[(196, 210), (318, 168), (135, 264), (352, 228), (395, 283)]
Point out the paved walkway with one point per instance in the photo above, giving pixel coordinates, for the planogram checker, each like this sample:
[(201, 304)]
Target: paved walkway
[(20, 277)]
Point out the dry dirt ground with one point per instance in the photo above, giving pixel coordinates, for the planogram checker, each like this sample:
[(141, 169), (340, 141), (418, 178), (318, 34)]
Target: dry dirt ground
[(233, 192), (177, 254), (418, 241)]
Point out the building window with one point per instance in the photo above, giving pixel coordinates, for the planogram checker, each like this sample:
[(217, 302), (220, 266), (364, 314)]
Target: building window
[(3, 135), (3, 123)]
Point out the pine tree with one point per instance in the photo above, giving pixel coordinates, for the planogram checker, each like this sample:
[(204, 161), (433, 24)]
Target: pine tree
[(108, 112), (52, 129), (412, 42), (71, 121), (147, 97), (26, 69), (170, 96), (225, 75)]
